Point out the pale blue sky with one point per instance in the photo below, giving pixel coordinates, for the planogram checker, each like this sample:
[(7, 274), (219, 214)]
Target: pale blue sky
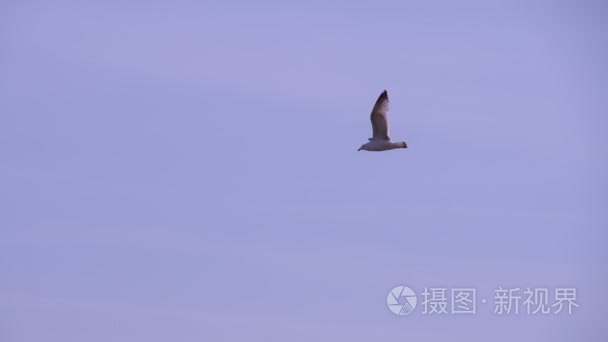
[(188, 170)]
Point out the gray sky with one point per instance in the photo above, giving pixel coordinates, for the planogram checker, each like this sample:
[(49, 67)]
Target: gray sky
[(188, 170)]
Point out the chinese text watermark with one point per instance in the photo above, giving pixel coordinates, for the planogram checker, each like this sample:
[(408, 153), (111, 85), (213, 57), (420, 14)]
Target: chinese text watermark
[(402, 300)]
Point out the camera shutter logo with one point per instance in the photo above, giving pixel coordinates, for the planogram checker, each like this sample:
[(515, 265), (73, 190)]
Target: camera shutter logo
[(401, 300)]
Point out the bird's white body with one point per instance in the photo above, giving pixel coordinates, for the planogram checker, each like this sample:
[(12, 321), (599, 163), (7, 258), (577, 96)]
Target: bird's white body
[(382, 145), (380, 140)]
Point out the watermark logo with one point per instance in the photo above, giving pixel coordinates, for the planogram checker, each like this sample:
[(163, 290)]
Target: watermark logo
[(401, 300)]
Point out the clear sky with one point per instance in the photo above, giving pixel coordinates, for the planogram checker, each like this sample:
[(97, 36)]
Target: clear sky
[(188, 170)]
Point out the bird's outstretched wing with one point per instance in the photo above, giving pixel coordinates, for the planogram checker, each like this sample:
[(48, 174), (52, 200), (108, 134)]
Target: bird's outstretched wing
[(379, 118)]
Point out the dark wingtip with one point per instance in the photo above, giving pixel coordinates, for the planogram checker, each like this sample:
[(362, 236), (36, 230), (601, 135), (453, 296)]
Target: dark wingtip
[(384, 95)]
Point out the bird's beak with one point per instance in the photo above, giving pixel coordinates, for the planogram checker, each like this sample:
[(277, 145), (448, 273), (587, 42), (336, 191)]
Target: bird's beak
[(359, 149)]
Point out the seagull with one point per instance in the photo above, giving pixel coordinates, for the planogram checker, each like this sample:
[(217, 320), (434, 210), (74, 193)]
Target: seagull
[(380, 140)]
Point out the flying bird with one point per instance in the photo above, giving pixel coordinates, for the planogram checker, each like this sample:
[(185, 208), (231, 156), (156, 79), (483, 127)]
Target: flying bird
[(380, 140)]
